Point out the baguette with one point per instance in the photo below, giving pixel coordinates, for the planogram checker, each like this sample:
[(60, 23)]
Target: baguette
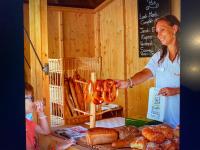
[(78, 91), (101, 135)]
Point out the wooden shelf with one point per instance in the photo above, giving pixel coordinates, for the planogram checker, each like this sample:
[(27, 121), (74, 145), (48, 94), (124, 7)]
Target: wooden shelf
[(116, 112)]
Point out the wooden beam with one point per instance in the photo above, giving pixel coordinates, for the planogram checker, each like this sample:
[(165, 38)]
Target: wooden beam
[(44, 54), (71, 9), (125, 56), (102, 5), (39, 37)]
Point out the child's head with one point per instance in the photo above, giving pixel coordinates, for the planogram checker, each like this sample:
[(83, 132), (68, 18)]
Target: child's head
[(28, 98)]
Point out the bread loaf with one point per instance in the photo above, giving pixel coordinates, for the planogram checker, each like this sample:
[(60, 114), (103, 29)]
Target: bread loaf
[(101, 135), (166, 130), (151, 134)]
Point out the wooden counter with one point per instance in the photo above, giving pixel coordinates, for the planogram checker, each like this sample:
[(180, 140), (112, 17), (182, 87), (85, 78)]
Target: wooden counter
[(47, 142)]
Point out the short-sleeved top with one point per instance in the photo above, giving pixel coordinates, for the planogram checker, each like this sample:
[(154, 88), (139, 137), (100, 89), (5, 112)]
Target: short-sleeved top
[(167, 74), (31, 142)]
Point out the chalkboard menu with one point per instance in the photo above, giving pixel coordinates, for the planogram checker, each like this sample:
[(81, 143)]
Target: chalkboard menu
[(148, 11)]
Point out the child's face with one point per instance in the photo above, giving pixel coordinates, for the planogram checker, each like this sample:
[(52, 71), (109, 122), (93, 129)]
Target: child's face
[(29, 105)]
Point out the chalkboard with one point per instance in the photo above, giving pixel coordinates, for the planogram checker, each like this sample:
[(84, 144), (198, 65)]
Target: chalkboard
[(148, 11)]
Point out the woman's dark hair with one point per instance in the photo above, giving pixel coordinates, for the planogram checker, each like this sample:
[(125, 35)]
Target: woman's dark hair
[(171, 20)]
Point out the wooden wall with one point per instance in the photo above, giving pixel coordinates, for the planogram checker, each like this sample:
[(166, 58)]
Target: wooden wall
[(110, 31), (71, 32)]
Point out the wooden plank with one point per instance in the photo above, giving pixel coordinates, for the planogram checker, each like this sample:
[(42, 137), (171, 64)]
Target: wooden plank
[(44, 55), (112, 44), (39, 38), (125, 60), (97, 34), (27, 67), (34, 16), (78, 34), (54, 36)]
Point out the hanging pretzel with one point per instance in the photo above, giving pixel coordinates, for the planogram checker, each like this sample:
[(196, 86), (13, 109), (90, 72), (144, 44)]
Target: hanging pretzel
[(100, 91), (110, 90)]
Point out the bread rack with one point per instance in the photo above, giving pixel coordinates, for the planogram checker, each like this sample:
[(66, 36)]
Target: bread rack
[(62, 68)]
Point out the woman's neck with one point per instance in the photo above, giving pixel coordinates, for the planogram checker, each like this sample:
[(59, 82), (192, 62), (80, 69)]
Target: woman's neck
[(172, 52)]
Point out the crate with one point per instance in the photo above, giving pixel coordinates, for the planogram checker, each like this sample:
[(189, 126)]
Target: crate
[(61, 112)]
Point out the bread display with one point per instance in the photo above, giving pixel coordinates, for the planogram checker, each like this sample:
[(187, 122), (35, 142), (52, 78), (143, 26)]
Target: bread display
[(100, 135), (151, 137), (139, 143)]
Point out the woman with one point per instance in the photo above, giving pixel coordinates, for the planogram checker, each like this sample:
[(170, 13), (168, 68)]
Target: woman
[(165, 67)]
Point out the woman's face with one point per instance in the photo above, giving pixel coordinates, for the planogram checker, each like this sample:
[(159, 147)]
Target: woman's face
[(165, 33)]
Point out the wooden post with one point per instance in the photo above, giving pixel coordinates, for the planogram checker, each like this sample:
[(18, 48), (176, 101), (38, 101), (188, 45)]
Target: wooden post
[(92, 105), (39, 37)]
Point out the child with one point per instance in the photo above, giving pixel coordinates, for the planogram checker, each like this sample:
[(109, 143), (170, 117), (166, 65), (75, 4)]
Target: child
[(42, 128), (32, 128)]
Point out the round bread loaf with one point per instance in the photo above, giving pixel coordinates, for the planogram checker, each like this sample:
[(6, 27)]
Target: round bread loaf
[(152, 134), (166, 130)]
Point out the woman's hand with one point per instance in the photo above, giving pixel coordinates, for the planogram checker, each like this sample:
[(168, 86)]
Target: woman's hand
[(169, 91), (122, 84)]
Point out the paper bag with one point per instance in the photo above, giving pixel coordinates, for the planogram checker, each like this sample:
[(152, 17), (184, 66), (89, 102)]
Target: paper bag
[(156, 105)]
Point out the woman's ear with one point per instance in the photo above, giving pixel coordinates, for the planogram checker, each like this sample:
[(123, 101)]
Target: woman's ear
[(175, 28)]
